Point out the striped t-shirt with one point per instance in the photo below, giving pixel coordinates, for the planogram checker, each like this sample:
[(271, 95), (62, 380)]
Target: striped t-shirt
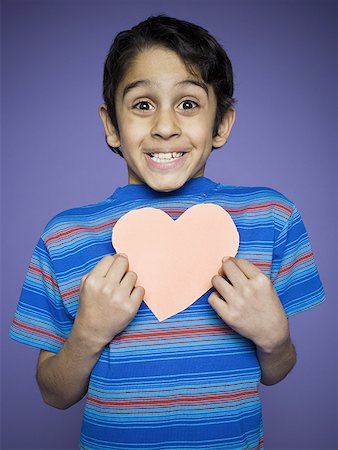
[(189, 382)]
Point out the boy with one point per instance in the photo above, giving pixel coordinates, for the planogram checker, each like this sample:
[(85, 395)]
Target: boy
[(191, 381)]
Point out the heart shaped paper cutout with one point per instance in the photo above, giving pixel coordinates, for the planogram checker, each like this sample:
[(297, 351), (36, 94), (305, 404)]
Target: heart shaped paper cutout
[(175, 259)]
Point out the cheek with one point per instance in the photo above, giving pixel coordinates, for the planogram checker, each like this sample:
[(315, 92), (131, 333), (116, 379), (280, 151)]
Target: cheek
[(131, 134), (201, 134)]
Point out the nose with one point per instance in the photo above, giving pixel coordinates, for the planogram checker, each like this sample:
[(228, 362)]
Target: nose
[(165, 124)]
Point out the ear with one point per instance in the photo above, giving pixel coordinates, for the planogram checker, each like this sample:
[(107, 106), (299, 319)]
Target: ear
[(224, 129), (112, 135)]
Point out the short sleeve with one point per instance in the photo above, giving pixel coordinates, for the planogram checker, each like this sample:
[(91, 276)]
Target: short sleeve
[(41, 320), (294, 272)]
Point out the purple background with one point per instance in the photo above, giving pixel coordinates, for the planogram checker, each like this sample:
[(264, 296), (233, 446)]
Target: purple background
[(55, 157)]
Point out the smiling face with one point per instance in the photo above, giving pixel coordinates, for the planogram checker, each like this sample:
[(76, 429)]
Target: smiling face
[(165, 117)]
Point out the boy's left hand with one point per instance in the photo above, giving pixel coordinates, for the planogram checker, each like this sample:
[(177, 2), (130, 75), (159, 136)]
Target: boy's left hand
[(247, 301)]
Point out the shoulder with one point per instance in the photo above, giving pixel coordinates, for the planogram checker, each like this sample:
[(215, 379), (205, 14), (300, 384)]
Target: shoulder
[(259, 204), (256, 195), (77, 219)]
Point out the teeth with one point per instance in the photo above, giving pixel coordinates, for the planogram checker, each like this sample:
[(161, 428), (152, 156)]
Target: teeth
[(160, 157)]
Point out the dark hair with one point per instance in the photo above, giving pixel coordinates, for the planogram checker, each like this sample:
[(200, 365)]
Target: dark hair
[(198, 49)]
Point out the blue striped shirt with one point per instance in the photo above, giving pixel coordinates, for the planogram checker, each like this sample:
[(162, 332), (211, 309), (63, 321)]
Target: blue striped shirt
[(189, 382)]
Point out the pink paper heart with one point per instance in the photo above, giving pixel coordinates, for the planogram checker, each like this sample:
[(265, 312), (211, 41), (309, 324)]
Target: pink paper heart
[(175, 259)]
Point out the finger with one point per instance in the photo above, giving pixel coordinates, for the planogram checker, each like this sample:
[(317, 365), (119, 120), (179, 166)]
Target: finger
[(117, 270), (222, 274), (128, 282), (233, 272), (137, 295), (218, 305), (223, 287), (249, 269), (103, 265)]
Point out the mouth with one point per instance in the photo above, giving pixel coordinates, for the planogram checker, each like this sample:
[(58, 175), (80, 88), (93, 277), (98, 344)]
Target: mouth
[(165, 161), (165, 157)]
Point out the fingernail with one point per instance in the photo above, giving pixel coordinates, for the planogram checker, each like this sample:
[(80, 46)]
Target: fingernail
[(123, 254), (225, 258)]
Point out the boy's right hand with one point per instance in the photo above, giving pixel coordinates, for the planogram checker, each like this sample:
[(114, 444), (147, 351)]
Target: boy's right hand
[(108, 300)]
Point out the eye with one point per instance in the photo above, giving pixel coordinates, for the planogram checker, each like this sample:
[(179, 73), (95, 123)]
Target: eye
[(188, 104), (143, 106)]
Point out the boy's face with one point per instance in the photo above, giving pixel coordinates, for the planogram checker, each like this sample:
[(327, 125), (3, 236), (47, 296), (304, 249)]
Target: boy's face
[(165, 117)]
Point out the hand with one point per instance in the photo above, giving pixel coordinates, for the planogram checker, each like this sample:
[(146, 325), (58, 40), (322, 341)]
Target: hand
[(248, 302), (109, 300)]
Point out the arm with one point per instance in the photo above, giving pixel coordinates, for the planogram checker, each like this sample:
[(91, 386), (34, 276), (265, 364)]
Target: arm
[(108, 302), (247, 301), (63, 377), (276, 363)]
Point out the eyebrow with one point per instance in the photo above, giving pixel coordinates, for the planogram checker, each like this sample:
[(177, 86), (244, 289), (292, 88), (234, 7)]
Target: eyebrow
[(134, 85), (148, 83), (195, 82)]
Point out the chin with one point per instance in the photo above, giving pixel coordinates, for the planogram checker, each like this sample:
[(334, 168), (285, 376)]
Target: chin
[(166, 185), (164, 188)]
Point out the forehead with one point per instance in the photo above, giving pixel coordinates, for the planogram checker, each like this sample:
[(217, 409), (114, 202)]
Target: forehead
[(159, 67)]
